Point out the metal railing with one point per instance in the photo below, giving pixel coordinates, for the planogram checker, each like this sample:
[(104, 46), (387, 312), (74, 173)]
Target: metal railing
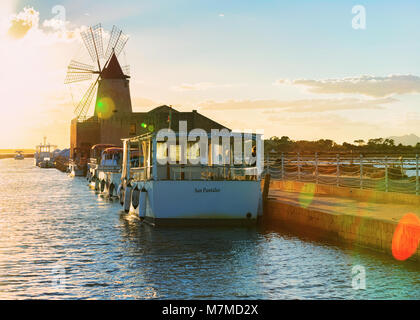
[(385, 173)]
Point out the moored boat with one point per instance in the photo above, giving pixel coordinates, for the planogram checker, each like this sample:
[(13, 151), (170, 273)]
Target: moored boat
[(78, 162), (108, 172), (198, 191), (46, 163), (94, 162), (44, 157)]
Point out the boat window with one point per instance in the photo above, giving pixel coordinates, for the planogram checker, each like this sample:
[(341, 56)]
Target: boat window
[(193, 150), (161, 151), (174, 153)]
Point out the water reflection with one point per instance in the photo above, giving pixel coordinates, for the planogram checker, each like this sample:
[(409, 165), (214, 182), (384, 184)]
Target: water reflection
[(60, 240), (197, 262)]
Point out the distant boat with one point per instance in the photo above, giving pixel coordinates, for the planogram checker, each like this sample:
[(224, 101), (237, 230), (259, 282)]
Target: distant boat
[(19, 155), (44, 157)]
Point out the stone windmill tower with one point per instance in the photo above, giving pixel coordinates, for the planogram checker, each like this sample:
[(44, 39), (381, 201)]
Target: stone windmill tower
[(108, 88), (111, 85)]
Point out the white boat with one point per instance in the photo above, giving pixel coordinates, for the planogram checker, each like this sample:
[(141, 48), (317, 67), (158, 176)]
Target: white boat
[(94, 163), (205, 193), (43, 156), (19, 155), (105, 174)]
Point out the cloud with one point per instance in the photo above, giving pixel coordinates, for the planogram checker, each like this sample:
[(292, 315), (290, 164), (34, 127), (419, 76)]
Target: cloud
[(318, 121), (26, 25), (22, 22), (139, 103), (335, 127), (55, 24), (201, 86), (373, 86), (304, 105)]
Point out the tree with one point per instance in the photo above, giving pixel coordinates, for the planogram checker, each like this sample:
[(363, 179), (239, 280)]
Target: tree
[(360, 142), (389, 142), (375, 142)]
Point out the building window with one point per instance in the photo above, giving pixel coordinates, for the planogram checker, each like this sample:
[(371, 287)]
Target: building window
[(132, 128)]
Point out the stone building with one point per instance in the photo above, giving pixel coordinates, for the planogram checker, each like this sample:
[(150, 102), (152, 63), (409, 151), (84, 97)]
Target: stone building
[(96, 130)]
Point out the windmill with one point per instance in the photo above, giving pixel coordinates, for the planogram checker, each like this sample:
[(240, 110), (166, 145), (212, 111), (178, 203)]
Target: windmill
[(108, 80)]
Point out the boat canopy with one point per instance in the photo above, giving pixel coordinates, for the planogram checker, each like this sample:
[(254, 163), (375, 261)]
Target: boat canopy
[(112, 150), (111, 156), (102, 146), (96, 150), (230, 156)]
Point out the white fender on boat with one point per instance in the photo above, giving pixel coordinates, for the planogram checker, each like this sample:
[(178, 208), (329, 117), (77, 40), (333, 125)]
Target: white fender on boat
[(111, 190), (127, 197), (142, 208), (120, 193), (135, 197)]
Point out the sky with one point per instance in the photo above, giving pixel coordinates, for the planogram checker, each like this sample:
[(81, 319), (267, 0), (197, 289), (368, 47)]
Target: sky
[(291, 68)]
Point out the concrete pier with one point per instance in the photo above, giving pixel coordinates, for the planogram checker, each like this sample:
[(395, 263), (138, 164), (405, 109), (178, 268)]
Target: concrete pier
[(385, 222)]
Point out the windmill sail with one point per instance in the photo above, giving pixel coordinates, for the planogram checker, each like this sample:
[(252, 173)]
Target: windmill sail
[(77, 71), (92, 39), (126, 69), (116, 43), (84, 104), (104, 84)]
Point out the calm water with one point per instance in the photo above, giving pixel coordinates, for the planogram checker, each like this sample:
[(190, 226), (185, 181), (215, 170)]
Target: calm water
[(60, 240)]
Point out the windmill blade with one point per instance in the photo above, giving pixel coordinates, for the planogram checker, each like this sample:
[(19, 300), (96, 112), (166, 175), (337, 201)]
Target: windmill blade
[(116, 42), (92, 39), (77, 77), (126, 70), (76, 65), (77, 71), (84, 104)]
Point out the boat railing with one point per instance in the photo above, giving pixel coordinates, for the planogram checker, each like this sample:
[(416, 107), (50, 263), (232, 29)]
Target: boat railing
[(195, 172), (109, 168), (140, 173)]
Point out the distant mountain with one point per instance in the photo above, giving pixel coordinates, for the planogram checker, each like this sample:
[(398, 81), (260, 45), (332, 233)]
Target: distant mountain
[(406, 140)]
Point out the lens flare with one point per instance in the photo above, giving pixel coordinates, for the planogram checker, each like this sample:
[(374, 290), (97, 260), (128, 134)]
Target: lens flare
[(306, 195), (105, 108), (406, 237)]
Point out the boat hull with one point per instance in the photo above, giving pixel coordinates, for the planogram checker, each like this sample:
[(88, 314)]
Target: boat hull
[(198, 202), (109, 182), (76, 170), (46, 164)]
